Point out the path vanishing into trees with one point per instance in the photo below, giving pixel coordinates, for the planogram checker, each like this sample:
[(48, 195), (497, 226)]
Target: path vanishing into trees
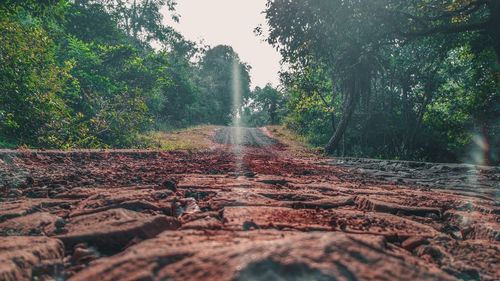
[(248, 207)]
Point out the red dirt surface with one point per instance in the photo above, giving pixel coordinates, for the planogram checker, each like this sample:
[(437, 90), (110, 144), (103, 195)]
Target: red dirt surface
[(146, 215)]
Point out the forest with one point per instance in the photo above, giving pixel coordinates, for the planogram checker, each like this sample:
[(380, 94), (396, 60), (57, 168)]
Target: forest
[(392, 79)]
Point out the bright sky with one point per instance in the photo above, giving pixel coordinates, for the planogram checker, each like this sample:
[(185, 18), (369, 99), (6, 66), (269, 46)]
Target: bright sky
[(231, 22)]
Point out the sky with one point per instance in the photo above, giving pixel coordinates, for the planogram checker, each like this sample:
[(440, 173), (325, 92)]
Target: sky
[(231, 22)]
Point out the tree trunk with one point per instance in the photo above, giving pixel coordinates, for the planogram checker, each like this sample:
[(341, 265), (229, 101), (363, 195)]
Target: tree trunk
[(333, 120), (273, 116), (486, 149), (429, 89), (332, 107), (418, 122), (493, 29), (405, 115), (348, 109)]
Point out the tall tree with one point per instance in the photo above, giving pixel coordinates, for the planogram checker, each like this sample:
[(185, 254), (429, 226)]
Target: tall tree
[(354, 38), (415, 19), (263, 106), (140, 19), (32, 84), (337, 33), (216, 72)]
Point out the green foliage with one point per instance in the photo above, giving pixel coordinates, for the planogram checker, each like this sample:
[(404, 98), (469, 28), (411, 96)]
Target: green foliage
[(311, 103), (90, 22), (467, 104), (402, 79), (175, 92), (84, 74), (263, 107), (32, 84), (390, 78), (140, 19), (110, 86), (216, 73)]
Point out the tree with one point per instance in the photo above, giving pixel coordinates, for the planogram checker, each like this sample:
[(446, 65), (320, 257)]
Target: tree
[(355, 40), (263, 106), (111, 85), (216, 74), (89, 21), (336, 33), (140, 19), (428, 18), (32, 84), (176, 88)]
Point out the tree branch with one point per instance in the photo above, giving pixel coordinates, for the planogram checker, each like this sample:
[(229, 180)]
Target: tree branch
[(467, 9), (447, 29), (323, 99)]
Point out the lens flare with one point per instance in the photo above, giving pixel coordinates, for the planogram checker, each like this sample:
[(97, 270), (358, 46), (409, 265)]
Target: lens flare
[(237, 102)]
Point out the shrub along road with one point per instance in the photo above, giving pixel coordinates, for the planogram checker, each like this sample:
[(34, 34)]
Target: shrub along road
[(261, 215)]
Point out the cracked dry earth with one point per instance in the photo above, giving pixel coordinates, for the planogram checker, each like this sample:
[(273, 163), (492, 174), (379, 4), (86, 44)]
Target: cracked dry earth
[(145, 215)]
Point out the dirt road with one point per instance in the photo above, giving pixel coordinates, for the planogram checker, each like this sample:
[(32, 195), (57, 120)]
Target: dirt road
[(252, 137), (266, 214)]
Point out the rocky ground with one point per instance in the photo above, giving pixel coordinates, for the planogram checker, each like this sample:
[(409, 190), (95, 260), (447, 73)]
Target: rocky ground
[(264, 214)]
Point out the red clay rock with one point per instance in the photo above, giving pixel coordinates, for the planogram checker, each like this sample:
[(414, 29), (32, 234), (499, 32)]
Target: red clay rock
[(41, 223), (13, 209), (132, 198), (413, 242), (326, 203), (475, 225), (111, 230), (233, 221), (239, 197), (208, 223), (222, 256), (20, 255), (462, 256), (326, 220), (392, 208)]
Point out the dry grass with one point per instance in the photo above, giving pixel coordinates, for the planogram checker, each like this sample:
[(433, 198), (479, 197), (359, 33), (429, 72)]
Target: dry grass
[(294, 141), (200, 137), (194, 138)]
